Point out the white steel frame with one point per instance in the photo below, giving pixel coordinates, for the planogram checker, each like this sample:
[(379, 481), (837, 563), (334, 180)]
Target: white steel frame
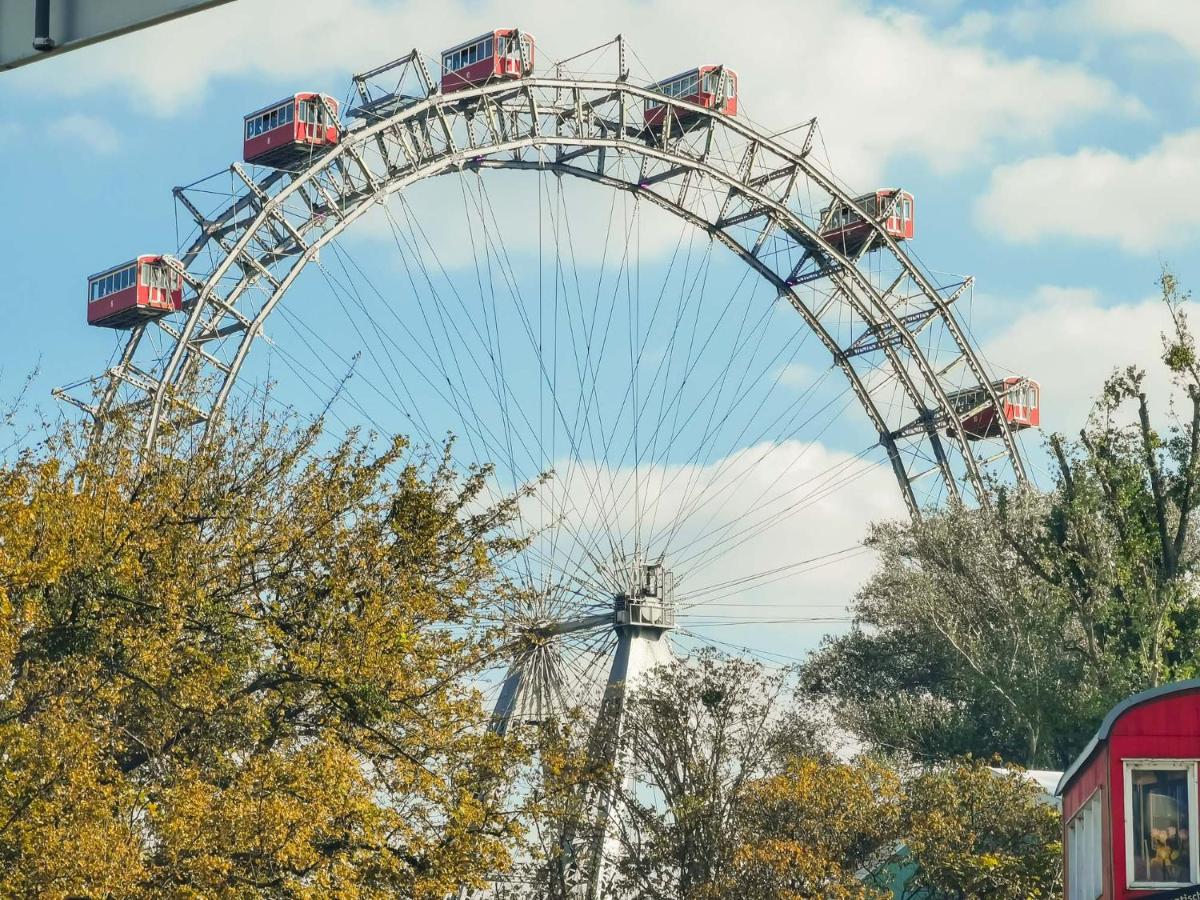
[(590, 130), (747, 190)]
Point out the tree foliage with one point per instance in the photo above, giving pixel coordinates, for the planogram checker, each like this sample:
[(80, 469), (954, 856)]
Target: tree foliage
[(1011, 629), (239, 670), (729, 803), (970, 831)]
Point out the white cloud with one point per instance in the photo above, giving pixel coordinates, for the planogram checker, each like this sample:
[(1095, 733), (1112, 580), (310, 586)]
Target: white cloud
[(1070, 343), (764, 507), (798, 376), (884, 83), (582, 221), (1175, 20), (1135, 202), (96, 134)]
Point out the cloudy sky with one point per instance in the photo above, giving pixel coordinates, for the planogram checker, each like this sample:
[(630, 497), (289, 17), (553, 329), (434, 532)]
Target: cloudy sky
[(1051, 149)]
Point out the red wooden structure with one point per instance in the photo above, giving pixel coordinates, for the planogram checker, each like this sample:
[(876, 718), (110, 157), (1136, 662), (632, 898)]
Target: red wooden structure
[(290, 132), (495, 55), (1020, 399), (1130, 801), (713, 87), (143, 288), (847, 231)]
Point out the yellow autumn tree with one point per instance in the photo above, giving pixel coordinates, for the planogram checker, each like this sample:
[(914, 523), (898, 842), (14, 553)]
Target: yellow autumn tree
[(818, 827), (244, 670)]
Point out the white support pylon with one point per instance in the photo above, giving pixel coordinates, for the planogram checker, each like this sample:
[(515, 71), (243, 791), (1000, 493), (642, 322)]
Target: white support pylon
[(642, 618)]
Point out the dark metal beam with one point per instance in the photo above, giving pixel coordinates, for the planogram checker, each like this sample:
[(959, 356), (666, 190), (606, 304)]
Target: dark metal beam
[(36, 29)]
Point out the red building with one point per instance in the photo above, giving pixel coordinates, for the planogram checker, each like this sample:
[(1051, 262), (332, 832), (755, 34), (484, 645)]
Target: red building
[(848, 232), (713, 87), (1021, 408), (495, 56), (1130, 804), (141, 289), (290, 132)]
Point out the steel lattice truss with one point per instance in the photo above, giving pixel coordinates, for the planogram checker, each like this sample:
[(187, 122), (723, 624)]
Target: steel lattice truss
[(886, 323)]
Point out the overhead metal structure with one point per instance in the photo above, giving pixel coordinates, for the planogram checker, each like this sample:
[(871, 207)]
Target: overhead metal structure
[(887, 325), (36, 29)]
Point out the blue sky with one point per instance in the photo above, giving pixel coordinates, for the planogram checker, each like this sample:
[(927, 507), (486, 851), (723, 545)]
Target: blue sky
[(1052, 150)]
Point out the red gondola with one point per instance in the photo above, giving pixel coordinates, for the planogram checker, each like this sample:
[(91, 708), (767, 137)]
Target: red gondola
[(1021, 399), (713, 87), (289, 133), (133, 292), (495, 55), (847, 231)]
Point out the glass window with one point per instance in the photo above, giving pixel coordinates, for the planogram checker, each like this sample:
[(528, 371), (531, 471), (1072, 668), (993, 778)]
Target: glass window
[(487, 47), (1085, 854), (1160, 802)]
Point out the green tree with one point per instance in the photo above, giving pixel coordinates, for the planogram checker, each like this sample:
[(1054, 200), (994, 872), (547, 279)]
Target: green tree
[(1011, 629), (241, 670)]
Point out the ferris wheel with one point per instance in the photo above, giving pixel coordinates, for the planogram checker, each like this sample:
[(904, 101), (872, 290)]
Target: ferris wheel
[(654, 375)]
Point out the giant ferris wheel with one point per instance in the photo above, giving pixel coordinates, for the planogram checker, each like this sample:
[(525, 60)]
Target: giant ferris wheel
[(655, 372)]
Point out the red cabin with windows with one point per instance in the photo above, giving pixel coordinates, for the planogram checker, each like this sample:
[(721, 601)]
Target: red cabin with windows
[(713, 87), (1020, 399), (123, 296), (848, 232), (1129, 801), (493, 56), (291, 132)]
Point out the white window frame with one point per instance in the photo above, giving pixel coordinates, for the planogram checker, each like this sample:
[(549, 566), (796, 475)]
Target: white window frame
[(1189, 766), (1088, 818)]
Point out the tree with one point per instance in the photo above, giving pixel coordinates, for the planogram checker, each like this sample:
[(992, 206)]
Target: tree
[(817, 828), (696, 735), (731, 802), (1011, 628), (241, 669), (959, 647), (970, 831)]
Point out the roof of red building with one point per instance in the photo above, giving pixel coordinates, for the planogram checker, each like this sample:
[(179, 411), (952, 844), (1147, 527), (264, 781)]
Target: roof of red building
[(1115, 713)]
